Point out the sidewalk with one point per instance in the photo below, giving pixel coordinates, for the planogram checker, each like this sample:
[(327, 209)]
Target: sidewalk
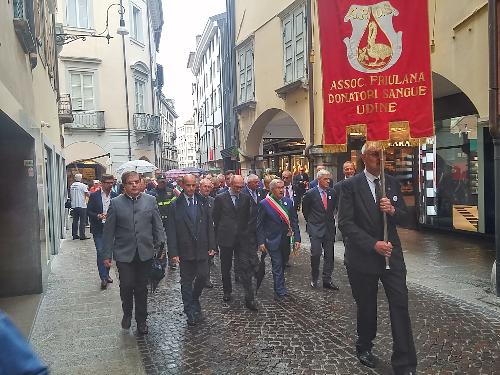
[(77, 330)]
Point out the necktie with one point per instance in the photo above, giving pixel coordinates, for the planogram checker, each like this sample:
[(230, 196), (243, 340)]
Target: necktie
[(287, 193), (378, 190), (236, 201), (192, 208), (323, 198), (254, 196)]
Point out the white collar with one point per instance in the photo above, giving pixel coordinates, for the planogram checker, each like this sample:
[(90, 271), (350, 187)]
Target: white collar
[(371, 177)]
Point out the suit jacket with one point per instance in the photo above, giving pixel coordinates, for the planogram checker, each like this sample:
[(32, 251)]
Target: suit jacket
[(188, 239), (94, 208), (231, 223), (254, 207), (132, 225), (299, 183), (271, 227), (361, 224), (320, 222)]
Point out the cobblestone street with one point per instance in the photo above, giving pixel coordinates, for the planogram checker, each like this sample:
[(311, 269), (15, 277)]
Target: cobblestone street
[(312, 332)]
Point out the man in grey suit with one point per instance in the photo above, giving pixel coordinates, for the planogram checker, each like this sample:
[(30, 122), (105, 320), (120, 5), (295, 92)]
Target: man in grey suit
[(133, 227)]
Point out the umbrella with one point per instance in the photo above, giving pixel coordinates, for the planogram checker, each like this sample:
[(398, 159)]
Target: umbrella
[(261, 271), (157, 272), (174, 173), (139, 166), (193, 170)]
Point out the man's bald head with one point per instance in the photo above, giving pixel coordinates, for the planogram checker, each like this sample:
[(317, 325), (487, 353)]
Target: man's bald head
[(189, 184), (237, 183)]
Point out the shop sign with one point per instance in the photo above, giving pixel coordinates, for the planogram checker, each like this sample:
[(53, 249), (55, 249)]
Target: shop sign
[(376, 70)]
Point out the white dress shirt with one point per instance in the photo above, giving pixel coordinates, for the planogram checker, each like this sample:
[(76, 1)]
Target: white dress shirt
[(371, 183)]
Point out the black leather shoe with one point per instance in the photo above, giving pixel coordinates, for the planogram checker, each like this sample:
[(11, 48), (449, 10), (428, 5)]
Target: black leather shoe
[(314, 284), (191, 320), (142, 328), (84, 238), (251, 305), (279, 298), (367, 358), (104, 284), (109, 280), (76, 237), (209, 285), (126, 321), (226, 297), (199, 317), (331, 286)]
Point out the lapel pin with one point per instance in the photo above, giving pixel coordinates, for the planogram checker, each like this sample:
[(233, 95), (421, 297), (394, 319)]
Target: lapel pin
[(395, 198), (285, 203), (329, 197)]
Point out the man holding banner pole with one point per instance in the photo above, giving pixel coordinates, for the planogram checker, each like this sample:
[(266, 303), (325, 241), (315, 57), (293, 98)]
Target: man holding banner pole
[(277, 230), (361, 210)]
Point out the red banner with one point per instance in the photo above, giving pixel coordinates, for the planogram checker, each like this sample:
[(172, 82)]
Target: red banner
[(376, 70)]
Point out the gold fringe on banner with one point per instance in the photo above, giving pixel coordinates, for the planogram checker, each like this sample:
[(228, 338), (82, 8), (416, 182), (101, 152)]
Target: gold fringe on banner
[(399, 136)]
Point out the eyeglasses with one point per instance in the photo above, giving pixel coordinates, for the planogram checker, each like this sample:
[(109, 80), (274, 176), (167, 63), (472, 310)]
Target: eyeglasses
[(108, 182), (133, 182), (374, 154)]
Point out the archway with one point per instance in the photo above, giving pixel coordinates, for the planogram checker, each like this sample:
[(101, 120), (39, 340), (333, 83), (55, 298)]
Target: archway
[(86, 158), (276, 139)]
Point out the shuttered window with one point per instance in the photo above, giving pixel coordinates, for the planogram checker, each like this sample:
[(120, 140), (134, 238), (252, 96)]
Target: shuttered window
[(246, 81), (294, 46), (82, 91)]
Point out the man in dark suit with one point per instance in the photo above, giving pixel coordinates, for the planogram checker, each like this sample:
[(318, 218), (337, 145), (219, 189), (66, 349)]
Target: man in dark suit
[(226, 184), (361, 211), (133, 227), (231, 220), (206, 188), (314, 183), (97, 209), (349, 170), (191, 238), (318, 207), (300, 182), (276, 224)]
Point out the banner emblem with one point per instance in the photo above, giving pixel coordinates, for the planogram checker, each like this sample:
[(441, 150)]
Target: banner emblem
[(374, 45)]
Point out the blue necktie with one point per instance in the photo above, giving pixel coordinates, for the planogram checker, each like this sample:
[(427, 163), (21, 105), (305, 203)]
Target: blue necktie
[(192, 209)]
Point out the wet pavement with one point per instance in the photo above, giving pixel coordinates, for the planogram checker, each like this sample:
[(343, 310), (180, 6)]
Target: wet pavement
[(77, 330)]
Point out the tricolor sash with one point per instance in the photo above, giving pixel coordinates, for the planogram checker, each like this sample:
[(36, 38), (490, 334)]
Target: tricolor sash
[(280, 210), (177, 190)]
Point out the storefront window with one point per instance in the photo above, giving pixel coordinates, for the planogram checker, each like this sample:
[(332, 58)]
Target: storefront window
[(449, 176)]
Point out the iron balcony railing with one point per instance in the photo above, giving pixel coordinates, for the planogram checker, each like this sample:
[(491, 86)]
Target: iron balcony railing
[(65, 109), (147, 123), (87, 120)]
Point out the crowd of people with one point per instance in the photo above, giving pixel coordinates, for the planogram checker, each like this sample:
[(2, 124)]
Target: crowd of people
[(242, 220)]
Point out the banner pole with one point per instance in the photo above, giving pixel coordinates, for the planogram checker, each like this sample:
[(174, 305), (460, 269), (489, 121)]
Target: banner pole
[(384, 215)]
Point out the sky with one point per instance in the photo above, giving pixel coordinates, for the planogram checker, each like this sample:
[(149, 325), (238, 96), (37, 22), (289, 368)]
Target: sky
[(184, 19)]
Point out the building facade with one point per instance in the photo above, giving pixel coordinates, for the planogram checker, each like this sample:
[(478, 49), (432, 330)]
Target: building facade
[(168, 120), (108, 67), (447, 183), (32, 220), (186, 144)]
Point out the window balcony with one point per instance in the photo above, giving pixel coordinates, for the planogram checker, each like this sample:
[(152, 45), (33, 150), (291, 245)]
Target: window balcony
[(147, 123), (87, 120), (65, 109)]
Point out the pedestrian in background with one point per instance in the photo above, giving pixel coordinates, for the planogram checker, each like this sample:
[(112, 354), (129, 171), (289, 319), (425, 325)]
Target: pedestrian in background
[(97, 209), (300, 183), (132, 230), (349, 170), (277, 227), (361, 211), (191, 241), (79, 193), (165, 196), (206, 188), (318, 206)]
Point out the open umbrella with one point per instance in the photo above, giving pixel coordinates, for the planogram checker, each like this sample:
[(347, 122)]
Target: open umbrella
[(139, 166), (194, 170), (174, 173)]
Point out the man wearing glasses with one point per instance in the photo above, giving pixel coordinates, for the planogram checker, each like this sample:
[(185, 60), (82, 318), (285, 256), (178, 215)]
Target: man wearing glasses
[(97, 210), (133, 227)]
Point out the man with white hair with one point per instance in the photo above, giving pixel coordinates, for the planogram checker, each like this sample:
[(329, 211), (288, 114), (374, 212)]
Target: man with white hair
[(79, 192)]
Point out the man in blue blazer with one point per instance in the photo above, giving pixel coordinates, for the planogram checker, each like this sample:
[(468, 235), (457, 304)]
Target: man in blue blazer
[(276, 223), (97, 209)]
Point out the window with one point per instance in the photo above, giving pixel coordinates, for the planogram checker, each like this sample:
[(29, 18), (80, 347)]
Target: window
[(136, 24), (77, 13), (245, 65), (82, 91), (218, 63), (140, 89), (294, 45)]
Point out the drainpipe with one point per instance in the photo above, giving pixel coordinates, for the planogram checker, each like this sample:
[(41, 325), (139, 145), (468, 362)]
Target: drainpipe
[(310, 73), (495, 126)]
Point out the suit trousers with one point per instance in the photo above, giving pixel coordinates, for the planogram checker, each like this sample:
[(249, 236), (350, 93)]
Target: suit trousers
[(278, 266), (134, 285), (79, 221), (322, 246), (226, 263), (194, 275), (364, 290), (248, 263), (103, 270)]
